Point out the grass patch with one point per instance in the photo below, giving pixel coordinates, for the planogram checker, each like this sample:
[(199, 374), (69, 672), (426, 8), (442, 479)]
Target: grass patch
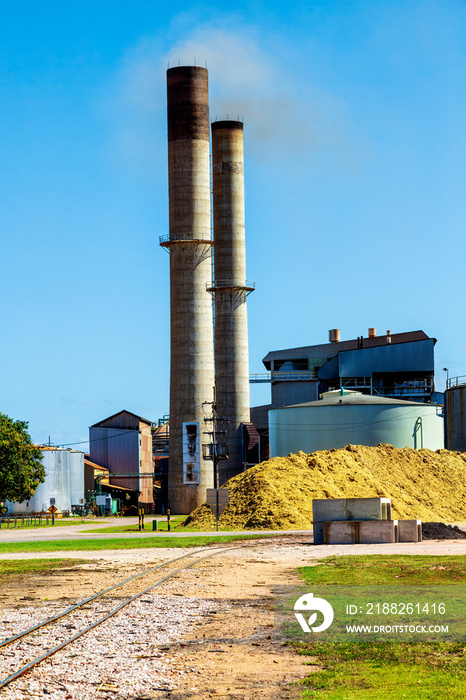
[(381, 670), (175, 520), (127, 543), (383, 570), (62, 522), (30, 566), (386, 670)]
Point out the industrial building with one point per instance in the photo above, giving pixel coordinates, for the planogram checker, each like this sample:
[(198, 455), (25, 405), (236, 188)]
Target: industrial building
[(396, 366), (341, 418), (123, 444), (63, 487)]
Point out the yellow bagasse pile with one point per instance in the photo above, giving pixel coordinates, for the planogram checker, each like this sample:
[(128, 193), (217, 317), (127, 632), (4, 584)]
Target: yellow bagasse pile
[(278, 493)]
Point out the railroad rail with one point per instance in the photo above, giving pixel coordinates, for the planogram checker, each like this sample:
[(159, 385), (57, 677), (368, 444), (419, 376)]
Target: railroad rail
[(113, 612)]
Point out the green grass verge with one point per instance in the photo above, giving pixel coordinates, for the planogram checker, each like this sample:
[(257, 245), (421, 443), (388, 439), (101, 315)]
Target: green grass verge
[(381, 670), (388, 570), (161, 526), (10, 567), (65, 522), (127, 543)]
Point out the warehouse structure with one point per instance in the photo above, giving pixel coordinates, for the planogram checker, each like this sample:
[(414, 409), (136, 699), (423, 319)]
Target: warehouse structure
[(123, 444)]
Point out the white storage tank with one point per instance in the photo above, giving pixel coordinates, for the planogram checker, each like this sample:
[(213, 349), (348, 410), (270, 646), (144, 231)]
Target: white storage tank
[(63, 485), (358, 419)]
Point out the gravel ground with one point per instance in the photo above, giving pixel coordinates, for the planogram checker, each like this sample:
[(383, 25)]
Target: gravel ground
[(114, 660)]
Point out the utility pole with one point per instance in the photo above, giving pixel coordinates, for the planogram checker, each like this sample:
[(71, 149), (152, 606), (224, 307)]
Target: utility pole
[(215, 450)]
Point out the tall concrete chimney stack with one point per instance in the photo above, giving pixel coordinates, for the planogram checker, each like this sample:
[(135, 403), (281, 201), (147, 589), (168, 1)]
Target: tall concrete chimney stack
[(190, 247), (230, 289)]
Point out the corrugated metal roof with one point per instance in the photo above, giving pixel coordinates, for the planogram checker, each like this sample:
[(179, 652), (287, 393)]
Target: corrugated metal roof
[(103, 422), (94, 465)]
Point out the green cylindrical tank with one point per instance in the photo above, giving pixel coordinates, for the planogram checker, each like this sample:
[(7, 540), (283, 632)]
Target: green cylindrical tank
[(356, 419)]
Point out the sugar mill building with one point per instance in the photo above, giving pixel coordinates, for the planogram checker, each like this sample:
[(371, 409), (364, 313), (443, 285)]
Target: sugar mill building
[(398, 366)]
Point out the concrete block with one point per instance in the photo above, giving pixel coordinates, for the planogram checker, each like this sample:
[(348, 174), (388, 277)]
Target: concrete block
[(330, 509), (327, 509), (409, 531), (318, 528), (338, 532), (368, 509), (378, 531)]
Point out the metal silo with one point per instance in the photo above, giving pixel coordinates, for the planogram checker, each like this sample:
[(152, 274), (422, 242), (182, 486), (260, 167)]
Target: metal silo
[(189, 244), (230, 289), (63, 485), (455, 410), (359, 419)]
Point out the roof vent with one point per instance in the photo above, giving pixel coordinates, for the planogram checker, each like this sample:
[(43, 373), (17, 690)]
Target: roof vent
[(372, 333), (334, 335)]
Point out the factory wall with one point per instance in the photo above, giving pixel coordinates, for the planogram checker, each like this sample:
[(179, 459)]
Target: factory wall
[(312, 428), (289, 393), (119, 451), (64, 482), (405, 357)]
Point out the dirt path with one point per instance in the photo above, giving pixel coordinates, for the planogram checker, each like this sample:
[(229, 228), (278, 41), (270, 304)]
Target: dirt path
[(229, 651)]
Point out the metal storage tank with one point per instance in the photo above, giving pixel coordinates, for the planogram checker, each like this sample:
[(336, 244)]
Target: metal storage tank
[(64, 482), (359, 419), (455, 410)]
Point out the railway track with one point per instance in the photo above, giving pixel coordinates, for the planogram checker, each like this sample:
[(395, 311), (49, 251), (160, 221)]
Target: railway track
[(33, 631)]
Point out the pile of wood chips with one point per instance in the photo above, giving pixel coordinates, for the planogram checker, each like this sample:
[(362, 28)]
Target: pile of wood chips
[(278, 494)]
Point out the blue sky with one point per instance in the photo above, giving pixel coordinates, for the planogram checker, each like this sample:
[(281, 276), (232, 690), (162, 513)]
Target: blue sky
[(355, 152)]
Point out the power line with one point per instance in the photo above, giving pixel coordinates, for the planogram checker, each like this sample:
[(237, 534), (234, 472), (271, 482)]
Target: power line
[(107, 437)]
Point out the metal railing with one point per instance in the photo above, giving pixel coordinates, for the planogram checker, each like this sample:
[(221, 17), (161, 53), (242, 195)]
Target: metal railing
[(230, 284), (293, 376), (12, 521), (456, 381), (171, 237)]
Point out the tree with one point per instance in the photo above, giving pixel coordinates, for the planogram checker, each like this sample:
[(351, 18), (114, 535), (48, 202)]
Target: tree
[(21, 469)]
